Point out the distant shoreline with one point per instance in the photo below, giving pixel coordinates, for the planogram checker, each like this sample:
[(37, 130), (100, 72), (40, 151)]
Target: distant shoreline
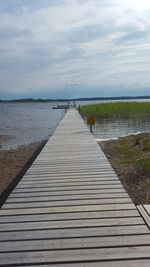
[(40, 100)]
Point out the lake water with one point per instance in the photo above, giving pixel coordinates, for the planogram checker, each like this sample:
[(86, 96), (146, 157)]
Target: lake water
[(108, 128), (28, 122), (31, 122)]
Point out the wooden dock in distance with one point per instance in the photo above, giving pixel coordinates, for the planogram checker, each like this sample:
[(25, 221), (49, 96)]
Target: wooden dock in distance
[(71, 210)]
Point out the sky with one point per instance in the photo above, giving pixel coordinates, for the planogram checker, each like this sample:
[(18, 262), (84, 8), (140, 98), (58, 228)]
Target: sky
[(74, 48)]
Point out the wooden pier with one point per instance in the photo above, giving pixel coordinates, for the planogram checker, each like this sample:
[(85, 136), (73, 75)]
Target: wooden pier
[(71, 210), (61, 107)]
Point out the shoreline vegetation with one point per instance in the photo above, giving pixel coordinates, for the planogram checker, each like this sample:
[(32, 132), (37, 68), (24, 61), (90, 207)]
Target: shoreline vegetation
[(130, 158), (118, 110)]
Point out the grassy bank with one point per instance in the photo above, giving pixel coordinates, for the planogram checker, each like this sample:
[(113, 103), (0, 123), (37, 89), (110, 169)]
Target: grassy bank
[(130, 158), (122, 110)]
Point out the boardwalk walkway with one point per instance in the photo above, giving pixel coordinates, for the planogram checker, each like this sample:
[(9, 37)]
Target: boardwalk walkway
[(71, 210)]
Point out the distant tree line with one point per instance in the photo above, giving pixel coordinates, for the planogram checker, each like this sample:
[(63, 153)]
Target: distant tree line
[(32, 100)]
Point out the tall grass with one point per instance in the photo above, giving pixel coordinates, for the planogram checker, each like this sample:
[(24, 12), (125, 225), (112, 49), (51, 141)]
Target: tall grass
[(123, 110)]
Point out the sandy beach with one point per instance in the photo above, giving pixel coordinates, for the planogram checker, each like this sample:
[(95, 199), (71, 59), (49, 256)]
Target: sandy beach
[(12, 161)]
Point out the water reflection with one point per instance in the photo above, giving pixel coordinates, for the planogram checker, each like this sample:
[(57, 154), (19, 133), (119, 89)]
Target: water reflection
[(113, 128)]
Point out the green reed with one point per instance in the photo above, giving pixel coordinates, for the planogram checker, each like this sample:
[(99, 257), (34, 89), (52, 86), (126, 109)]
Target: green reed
[(123, 110)]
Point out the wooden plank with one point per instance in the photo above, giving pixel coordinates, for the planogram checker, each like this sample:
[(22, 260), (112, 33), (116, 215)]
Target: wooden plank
[(69, 216), (70, 224), (114, 263), (59, 184), (144, 214), (147, 208), (73, 233), (69, 170), (50, 188), (91, 167), (67, 203), (66, 197), (74, 192), (71, 173), (66, 180), (69, 177), (50, 162), (82, 255), (76, 243), (106, 207), (66, 164)]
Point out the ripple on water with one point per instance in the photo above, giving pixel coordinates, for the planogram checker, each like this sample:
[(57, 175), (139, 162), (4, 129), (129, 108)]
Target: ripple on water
[(27, 123)]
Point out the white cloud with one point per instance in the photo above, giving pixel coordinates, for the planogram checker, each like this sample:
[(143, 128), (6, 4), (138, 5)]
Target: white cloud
[(91, 43)]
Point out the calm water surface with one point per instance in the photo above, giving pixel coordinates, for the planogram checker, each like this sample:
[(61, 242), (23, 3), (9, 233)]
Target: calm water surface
[(108, 129), (28, 122), (31, 122)]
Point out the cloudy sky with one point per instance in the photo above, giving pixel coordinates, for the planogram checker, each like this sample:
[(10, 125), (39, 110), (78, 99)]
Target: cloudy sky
[(74, 48)]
